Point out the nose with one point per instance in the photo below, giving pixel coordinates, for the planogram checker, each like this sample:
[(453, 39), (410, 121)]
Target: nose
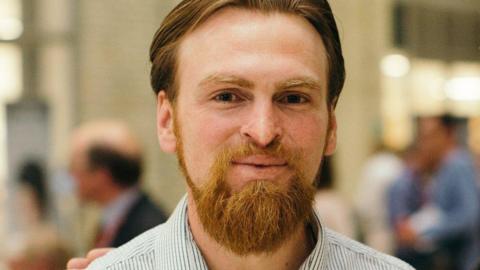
[(263, 126)]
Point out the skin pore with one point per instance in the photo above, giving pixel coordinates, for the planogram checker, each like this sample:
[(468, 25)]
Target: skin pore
[(248, 78)]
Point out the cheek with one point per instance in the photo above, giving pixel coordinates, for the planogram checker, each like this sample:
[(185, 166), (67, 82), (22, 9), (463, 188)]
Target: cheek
[(82, 185), (85, 182), (308, 135), (203, 137)]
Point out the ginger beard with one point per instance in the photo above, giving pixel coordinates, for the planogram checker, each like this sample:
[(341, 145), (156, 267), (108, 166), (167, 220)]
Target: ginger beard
[(259, 217)]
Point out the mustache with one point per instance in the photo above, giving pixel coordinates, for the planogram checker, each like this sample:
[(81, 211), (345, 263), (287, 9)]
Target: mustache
[(275, 150), (227, 155)]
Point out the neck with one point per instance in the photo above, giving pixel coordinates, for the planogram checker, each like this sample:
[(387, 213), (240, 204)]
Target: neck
[(290, 255), (450, 146)]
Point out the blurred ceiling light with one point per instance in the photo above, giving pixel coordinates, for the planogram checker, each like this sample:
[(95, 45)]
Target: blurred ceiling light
[(463, 89), (10, 28), (395, 65), (10, 72)]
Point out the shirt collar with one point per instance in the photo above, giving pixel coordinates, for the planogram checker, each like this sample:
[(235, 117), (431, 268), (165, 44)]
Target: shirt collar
[(316, 260), (318, 257), (115, 210)]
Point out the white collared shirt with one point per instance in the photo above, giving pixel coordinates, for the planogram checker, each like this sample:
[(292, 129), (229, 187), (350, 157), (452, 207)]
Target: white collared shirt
[(171, 246)]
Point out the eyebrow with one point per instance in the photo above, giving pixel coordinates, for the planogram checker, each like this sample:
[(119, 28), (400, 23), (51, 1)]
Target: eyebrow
[(296, 82), (227, 79), (300, 82)]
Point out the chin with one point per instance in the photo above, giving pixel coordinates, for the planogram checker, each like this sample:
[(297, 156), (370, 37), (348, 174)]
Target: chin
[(239, 186)]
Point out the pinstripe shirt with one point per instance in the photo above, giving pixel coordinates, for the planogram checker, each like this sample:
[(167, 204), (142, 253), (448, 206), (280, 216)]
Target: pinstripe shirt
[(171, 246)]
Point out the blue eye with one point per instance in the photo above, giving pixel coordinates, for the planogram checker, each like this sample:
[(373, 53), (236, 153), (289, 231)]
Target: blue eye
[(227, 97), (293, 99)]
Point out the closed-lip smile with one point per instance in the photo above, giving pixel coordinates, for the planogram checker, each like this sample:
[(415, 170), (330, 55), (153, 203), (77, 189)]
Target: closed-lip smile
[(261, 161), (259, 167)]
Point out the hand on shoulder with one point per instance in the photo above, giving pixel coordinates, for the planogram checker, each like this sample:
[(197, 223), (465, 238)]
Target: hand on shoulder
[(82, 263)]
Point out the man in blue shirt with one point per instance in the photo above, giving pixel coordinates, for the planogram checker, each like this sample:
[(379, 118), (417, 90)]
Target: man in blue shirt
[(434, 205)]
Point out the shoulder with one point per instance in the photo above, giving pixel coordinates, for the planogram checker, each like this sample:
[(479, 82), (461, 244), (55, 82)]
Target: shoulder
[(145, 208), (458, 169), (345, 253), (139, 252), (459, 159)]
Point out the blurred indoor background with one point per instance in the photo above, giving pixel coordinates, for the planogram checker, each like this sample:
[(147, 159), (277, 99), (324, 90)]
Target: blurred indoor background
[(63, 62)]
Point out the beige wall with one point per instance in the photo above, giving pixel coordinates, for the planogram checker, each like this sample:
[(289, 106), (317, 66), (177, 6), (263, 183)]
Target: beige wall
[(365, 33), (112, 69)]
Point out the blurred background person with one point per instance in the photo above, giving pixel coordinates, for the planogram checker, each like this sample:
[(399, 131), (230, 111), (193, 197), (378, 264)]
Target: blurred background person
[(32, 197), (106, 163), (434, 205), (334, 209), (36, 245), (371, 198)]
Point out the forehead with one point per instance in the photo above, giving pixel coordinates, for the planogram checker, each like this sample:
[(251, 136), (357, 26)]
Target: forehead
[(243, 21), (240, 32)]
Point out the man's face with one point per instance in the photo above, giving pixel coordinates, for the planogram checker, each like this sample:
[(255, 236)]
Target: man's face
[(432, 140), (251, 84), (85, 178), (248, 77)]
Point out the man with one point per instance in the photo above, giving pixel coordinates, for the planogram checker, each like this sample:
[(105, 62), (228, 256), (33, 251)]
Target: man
[(434, 205), (246, 92), (106, 164)]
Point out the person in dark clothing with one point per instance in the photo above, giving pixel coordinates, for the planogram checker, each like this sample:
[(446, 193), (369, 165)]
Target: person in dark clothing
[(144, 214), (106, 163)]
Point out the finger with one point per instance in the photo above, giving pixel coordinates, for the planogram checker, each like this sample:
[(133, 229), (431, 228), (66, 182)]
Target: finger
[(95, 253), (81, 263), (77, 263)]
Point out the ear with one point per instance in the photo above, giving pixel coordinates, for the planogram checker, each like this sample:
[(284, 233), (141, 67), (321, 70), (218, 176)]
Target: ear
[(165, 133), (331, 142)]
